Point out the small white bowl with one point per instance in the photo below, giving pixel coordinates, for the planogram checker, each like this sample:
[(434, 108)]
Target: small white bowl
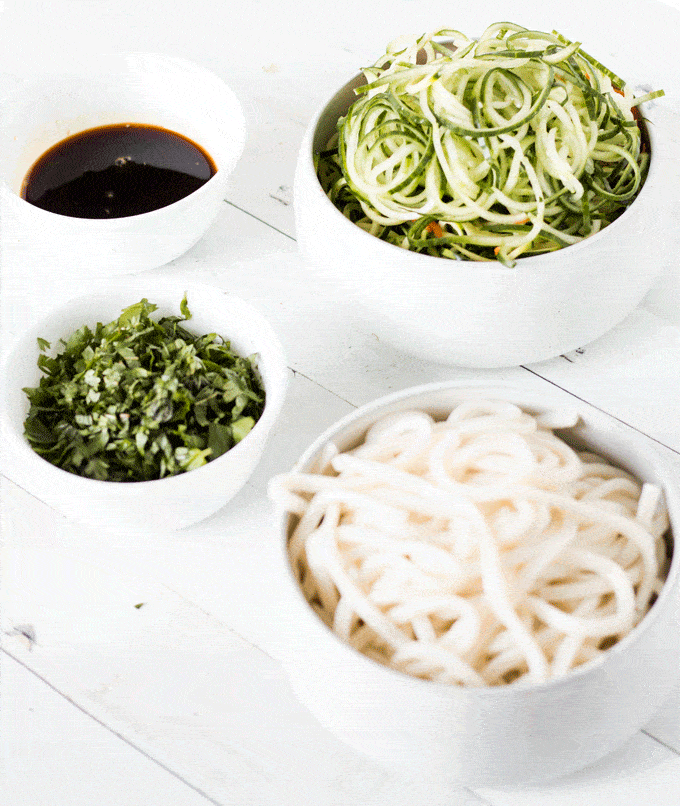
[(501, 735), (165, 504), (480, 314), (148, 88)]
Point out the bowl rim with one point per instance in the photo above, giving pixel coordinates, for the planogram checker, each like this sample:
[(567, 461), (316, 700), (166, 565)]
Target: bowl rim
[(236, 125), (432, 262), (401, 397), (274, 393)]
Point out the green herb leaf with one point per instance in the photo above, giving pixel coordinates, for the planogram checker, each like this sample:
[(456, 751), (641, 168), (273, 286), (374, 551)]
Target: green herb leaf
[(184, 308), (241, 427), (220, 439)]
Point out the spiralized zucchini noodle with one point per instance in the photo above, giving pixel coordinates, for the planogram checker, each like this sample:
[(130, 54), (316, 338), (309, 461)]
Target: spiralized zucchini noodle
[(515, 144), (479, 550)]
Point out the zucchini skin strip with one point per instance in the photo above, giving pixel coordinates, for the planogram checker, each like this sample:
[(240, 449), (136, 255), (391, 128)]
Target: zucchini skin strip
[(511, 145)]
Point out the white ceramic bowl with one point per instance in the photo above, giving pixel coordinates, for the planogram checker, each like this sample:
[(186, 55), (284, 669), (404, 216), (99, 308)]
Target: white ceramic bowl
[(499, 735), (477, 314), (148, 88), (169, 503)]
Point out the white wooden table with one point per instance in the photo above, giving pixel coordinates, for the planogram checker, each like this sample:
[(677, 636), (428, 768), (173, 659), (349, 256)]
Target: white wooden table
[(146, 669)]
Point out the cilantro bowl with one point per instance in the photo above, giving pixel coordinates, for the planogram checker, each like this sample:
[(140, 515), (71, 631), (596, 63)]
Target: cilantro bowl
[(142, 405)]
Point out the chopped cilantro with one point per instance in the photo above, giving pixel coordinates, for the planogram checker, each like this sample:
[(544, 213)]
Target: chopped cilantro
[(140, 399)]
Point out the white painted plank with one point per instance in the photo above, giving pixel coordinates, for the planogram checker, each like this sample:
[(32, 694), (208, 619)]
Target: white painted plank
[(234, 237), (53, 753), (665, 726), (633, 373), (643, 771)]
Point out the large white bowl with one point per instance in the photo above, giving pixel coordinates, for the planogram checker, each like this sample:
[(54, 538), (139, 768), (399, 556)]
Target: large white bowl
[(147, 88), (476, 314), (168, 503), (499, 735)]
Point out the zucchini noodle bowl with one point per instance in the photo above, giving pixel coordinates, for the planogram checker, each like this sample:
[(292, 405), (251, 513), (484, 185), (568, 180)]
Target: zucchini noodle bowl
[(515, 144)]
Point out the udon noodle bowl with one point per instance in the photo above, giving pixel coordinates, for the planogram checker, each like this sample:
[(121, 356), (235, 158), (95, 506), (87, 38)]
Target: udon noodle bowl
[(477, 550)]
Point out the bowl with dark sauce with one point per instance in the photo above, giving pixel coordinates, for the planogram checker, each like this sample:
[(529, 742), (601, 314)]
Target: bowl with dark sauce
[(120, 165)]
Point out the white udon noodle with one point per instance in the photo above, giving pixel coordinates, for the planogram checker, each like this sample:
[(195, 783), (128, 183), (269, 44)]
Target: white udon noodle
[(479, 550)]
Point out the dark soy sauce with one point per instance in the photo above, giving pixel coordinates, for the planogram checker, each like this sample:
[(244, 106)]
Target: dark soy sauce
[(116, 171)]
